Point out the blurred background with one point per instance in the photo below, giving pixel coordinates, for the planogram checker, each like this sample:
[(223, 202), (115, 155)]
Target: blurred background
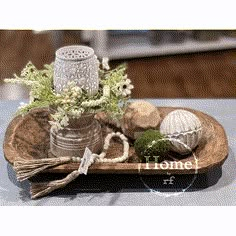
[(161, 63)]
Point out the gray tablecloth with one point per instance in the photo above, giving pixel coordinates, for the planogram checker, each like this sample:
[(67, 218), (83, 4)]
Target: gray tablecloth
[(218, 187)]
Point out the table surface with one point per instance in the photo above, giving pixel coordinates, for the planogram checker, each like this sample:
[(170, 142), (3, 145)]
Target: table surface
[(217, 187)]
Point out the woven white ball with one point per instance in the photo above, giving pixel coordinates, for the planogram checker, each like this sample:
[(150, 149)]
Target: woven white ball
[(184, 127)]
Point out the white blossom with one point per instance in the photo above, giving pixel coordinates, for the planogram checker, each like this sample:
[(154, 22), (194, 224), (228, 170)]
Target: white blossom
[(125, 87), (105, 64), (65, 121)]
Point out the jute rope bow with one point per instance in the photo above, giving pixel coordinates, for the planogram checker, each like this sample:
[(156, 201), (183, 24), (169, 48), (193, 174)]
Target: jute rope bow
[(26, 169)]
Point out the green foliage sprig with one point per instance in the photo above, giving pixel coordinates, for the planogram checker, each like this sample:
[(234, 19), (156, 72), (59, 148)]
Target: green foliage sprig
[(73, 101), (40, 83)]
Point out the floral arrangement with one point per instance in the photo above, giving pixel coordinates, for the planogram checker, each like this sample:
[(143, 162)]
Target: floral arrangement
[(113, 94)]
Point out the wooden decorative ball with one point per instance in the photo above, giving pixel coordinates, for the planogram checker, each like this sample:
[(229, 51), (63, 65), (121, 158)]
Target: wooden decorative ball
[(139, 116)]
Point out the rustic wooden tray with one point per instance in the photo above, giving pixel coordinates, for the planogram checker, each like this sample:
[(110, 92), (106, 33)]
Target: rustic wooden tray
[(28, 138)]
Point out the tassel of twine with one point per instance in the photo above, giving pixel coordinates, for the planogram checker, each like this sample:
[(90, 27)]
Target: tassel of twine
[(26, 169), (41, 189)]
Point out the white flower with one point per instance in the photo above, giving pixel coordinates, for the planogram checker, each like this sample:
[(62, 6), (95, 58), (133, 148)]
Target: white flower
[(76, 91), (125, 87), (106, 91), (105, 64), (65, 121)]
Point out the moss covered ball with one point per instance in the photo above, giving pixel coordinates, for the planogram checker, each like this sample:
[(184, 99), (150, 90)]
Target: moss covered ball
[(150, 144)]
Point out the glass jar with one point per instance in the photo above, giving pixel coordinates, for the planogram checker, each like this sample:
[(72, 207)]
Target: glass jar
[(73, 139)]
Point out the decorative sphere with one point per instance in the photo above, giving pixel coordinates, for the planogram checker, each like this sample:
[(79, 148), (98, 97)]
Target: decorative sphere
[(184, 127), (150, 144), (138, 117)]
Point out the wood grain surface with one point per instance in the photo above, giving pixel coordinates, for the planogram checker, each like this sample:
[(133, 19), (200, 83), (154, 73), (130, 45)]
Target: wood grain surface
[(27, 137), (196, 75)]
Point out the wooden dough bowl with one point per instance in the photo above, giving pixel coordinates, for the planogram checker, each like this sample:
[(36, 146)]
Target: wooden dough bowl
[(27, 138)]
